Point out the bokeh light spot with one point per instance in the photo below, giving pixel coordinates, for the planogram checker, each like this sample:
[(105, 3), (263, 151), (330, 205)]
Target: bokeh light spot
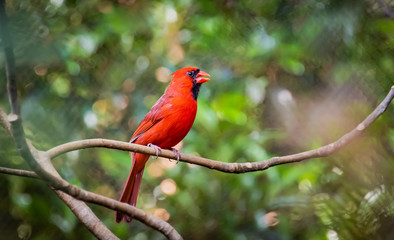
[(168, 186), (171, 15), (41, 70), (155, 170), (162, 214), (162, 74), (128, 85), (90, 119)]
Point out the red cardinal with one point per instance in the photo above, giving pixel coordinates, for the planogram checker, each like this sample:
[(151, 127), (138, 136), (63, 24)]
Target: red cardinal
[(166, 124)]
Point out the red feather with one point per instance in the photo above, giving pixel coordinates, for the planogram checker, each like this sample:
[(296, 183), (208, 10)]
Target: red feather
[(166, 124)]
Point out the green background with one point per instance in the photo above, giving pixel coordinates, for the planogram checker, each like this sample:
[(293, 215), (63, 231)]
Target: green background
[(287, 76)]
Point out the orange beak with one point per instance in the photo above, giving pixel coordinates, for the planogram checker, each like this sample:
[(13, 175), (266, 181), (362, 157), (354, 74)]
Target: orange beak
[(202, 77)]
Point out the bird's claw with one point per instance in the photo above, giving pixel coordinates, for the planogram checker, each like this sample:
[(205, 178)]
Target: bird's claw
[(177, 153), (157, 148)]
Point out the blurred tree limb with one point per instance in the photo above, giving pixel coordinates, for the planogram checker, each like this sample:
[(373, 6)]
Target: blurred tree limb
[(323, 151), (18, 172), (42, 166)]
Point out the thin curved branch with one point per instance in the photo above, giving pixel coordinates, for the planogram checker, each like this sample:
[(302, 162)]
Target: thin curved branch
[(323, 151)]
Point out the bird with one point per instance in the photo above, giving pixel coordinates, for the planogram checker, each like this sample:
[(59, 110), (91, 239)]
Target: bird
[(166, 124)]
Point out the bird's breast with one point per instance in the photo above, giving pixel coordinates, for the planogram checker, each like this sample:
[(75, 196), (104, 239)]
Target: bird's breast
[(177, 122)]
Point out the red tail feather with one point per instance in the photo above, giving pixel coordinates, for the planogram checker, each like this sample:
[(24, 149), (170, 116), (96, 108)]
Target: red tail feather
[(130, 191)]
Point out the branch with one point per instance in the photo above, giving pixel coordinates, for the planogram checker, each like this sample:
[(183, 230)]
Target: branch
[(323, 151), (19, 172)]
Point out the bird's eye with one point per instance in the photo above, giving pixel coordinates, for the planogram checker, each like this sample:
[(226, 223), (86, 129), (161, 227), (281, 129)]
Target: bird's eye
[(190, 73)]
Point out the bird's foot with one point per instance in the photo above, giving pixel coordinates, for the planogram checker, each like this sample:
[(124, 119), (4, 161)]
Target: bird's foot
[(157, 148), (177, 153)]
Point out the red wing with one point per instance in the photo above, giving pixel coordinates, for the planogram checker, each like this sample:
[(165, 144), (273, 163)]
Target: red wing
[(144, 126), (155, 115)]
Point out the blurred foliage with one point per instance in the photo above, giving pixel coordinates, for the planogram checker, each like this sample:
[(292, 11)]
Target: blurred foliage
[(287, 76)]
